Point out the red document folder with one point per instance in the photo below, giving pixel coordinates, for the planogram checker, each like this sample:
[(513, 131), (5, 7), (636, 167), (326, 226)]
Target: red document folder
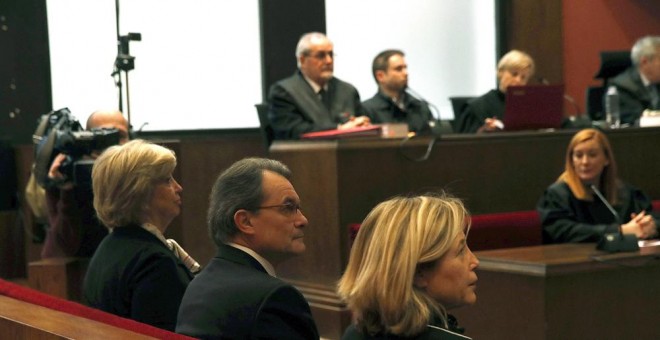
[(371, 130)]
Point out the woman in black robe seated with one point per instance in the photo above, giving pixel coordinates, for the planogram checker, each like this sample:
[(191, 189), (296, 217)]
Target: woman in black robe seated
[(408, 265), (485, 113), (570, 210)]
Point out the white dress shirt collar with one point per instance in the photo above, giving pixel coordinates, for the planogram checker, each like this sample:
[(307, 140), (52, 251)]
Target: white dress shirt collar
[(264, 263), (316, 87), (645, 81)]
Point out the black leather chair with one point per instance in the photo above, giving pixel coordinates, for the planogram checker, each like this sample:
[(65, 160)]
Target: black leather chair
[(264, 124), (612, 63), (458, 105)]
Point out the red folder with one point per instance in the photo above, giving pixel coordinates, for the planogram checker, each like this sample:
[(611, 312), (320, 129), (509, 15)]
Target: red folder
[(371, 130)]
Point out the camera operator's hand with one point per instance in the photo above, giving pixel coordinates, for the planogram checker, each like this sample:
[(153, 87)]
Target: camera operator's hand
[(55, 174)]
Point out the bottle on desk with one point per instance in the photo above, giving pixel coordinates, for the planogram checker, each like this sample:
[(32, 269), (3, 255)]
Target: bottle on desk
[(612, 110)]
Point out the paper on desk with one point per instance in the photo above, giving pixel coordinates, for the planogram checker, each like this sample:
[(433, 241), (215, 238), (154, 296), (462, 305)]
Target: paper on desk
[(648, 243)]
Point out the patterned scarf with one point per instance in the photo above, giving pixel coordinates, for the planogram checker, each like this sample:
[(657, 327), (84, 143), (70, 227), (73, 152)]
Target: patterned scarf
[(172, 245)]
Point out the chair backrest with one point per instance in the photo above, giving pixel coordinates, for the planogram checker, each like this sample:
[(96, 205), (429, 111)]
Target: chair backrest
[(264, 124), (505, 230), (494, 231), (612, 63), (594, 102), (458, 105)]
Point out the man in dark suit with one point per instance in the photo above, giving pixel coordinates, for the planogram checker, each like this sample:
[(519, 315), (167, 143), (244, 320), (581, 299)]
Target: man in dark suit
[(639, 85), (255, 220), (392, 104), (312, 99)]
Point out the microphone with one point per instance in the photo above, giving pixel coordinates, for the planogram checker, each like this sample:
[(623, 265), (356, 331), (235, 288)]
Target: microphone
[(434, 110), (615, 242), (436, 125), (571, 100)]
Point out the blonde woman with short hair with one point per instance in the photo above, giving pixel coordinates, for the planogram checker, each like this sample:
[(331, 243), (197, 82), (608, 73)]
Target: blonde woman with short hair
[(409, 264), (136, 273), (485, 113)]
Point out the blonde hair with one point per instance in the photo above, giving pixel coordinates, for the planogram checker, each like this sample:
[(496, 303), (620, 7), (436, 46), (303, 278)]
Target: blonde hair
[(608, 179), (516, 60), (124, 177), (396, 238)]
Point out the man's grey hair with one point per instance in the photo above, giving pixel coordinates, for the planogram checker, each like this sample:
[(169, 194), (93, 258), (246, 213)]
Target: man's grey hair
[(306, 41), (644, 47), (238, 187)]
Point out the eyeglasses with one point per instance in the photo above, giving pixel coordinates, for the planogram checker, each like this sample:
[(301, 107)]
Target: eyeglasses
[(321, 55), (288, 208)]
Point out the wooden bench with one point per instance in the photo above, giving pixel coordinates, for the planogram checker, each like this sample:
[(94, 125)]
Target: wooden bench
[(22, 320), (29, 314)]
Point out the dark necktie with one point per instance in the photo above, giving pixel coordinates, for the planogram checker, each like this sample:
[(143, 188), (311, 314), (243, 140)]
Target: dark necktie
[(655, 97), (325, 98)]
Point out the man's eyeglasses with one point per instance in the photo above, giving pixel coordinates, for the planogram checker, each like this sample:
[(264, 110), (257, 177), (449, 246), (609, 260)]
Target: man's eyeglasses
[(322, 55), (288, 208)]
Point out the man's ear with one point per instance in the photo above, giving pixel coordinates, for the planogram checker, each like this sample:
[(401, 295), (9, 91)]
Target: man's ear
[(380, 74), (421, 278), (242, 220)]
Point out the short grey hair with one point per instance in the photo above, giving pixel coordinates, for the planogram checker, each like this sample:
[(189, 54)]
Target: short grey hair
[(516, 60), (644, 47), (306, 41), (238, 187)]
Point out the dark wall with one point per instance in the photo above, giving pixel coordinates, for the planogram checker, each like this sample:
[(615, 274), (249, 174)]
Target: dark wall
[(282, 24), (8, 175), (24, 68)]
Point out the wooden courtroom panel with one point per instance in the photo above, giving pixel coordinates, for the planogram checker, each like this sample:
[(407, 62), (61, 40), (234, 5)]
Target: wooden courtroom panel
[(12, 256), (340, 181), (62, 277), (566, 291), (199, 162), (22, 320)]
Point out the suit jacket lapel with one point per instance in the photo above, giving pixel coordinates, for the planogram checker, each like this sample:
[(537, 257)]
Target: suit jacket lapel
[(642, 92), (308, 101)]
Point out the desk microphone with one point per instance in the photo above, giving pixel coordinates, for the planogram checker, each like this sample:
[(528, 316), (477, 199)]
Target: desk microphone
[(436, 125), (615, 242), (433, 108), (571, 100)]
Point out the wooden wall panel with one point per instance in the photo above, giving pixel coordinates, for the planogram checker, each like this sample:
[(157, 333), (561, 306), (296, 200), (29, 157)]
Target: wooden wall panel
[(536, 28)]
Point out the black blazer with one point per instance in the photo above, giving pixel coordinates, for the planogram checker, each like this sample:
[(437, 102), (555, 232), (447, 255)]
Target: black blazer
[(295, 109), (381, 109), (490, 105), (565, 218), (431, 332), (134, 275), (235, 298)]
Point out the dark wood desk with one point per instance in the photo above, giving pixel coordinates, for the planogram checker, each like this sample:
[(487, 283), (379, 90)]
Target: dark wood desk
[(340, 181), (568, 291)]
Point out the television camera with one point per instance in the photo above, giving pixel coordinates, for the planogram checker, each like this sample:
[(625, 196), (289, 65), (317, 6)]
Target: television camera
[(60, 132)]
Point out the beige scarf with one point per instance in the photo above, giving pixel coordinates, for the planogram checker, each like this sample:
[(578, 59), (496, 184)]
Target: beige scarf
[(178, 251)]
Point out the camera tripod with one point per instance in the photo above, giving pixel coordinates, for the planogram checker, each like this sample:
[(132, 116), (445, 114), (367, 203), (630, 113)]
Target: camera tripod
[(124, 62)]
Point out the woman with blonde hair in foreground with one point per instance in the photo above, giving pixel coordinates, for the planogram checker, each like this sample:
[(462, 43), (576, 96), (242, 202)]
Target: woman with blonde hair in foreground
[(136, 272), (409, 264)]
